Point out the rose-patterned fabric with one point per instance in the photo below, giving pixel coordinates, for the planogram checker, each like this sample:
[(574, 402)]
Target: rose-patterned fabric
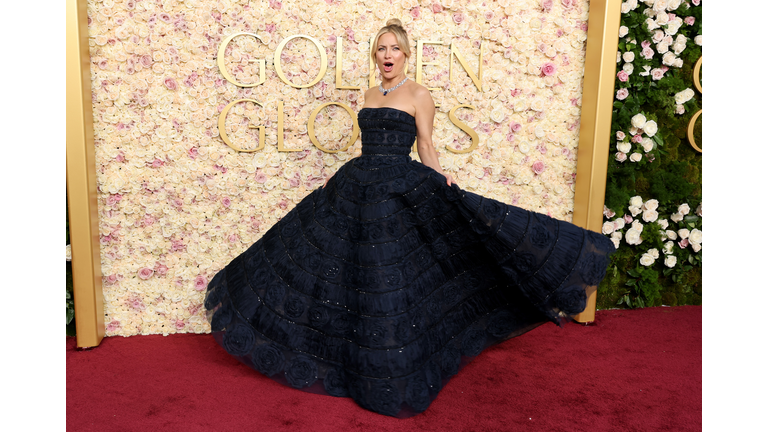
[(381, 285)]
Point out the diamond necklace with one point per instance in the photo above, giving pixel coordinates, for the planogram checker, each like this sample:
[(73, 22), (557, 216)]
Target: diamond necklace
[(381, 89)]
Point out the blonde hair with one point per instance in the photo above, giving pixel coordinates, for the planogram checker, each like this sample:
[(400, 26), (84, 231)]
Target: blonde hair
[(394, 26)]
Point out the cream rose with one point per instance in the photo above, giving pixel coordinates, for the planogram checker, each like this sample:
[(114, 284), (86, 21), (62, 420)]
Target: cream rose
[(647, 260), (623, 30), (624, 147), (676, 217), (650, 128), (650, 215), (636, 201), (670, 261), (628, 56), (683, 233), (684, 96), (695, 236), (663, 223), (647, 144), (608, 228), (684, 209), (635, 157), (672, 235), (638, 121), (633, 237)]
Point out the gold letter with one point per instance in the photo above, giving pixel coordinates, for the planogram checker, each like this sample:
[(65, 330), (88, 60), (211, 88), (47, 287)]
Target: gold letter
[(323, 61), (420, 63), (475, 78), (311, 127), (339, 59), (223, 130), (223, 69), (461, 125), (280, 129)]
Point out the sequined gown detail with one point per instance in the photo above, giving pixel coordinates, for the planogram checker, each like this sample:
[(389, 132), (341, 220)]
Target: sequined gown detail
[(383, 284)]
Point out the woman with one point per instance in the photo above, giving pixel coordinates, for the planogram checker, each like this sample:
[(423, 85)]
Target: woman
[(383, 283)]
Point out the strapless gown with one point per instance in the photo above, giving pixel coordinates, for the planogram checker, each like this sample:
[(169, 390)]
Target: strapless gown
[(383, 284)]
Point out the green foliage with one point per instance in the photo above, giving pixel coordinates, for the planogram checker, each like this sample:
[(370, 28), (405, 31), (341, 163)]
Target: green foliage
[(669, 173)]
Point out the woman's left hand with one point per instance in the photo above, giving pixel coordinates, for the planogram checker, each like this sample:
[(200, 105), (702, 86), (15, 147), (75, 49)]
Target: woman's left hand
[(449, 179)]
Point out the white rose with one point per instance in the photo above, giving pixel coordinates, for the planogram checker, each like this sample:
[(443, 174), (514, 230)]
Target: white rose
[(650, 128), (698, 210), (637, 225), (628, 68), (628, 56), (663, 48), (662, 19), (654, 253), (679, 109), (636, 201), (650, 215), (647, 260), (618, 224), (607, 228), (676, 217), (651, 204), (672, 235), (668, 58), (670, 261), (647, 144), (618, 57), (684, 96), (674, 25), (684, 209), (683, 233), (633, 237), (624, 147), (621, 156), (696, 247), (638, 121), (668, 247), (697, 40), (650, 23), (663, 223), (636, 157), (660, 5), (646, 71), (632, 4), (695, 236), (623, 30), (634, 210), (673, 4)]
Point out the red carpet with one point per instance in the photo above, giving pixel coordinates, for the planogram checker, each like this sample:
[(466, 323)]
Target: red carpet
[(632, 370)]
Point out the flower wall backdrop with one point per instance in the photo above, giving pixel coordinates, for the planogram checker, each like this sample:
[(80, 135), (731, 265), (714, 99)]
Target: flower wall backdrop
[(177, 204), (653, 199)]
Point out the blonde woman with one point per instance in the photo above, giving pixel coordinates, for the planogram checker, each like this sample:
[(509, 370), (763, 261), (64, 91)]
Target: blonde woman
[(380, 285)]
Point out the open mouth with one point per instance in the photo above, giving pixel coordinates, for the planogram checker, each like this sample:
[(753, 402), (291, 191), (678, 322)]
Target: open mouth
[(388, 66)]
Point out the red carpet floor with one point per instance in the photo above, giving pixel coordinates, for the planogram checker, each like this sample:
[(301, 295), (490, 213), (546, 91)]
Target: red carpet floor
[(632, 370)]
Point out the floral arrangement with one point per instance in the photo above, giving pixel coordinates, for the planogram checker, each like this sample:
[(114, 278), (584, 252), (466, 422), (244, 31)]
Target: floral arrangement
[(654, 176), (176, 204)]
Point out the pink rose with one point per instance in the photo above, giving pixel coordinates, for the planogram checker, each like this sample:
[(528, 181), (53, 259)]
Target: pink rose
[(621, 156), (622, 94), (657, 74), (538, 167), (645, 44), (628, 218), (145, 273), (637, 138), (179, 324), (111, 279), (416, 12), (226, 202), (620, 135), (261, 177), (608, 212), (200, 283), (568, 4), (192, 152), (170, 83), (515, 127), (548, 69), (458, 18), (488, 15), (161, 269), (683, 243), (647, 53), (436, 8), (546, 5), (146, 60), (623, 76), (696, 2), (274, 4), (689, 20), (113, 325), (233, 238)]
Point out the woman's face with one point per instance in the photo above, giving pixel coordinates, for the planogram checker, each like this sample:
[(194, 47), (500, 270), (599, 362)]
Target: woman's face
[(389, 57)]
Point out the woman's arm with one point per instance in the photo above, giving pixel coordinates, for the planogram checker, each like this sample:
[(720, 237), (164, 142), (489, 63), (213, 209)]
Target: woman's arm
[(425, 116)]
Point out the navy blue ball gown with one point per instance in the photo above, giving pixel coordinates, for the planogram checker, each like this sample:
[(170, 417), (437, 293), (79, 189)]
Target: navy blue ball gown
[(383, 284)]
